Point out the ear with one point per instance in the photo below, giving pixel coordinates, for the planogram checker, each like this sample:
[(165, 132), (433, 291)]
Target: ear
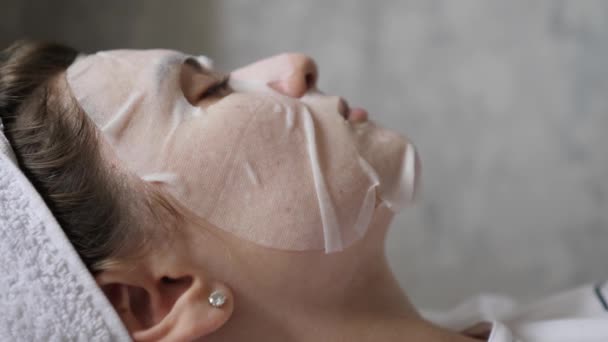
[(164, 308)]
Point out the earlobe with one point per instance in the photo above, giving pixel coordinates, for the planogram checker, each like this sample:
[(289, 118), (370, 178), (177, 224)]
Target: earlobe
[(169, 309)]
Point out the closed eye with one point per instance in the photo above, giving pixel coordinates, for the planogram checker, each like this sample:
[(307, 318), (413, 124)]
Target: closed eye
[(220, 88), (199, 83)]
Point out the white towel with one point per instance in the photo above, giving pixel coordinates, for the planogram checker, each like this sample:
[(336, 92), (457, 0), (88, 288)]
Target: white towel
[(46, 292)]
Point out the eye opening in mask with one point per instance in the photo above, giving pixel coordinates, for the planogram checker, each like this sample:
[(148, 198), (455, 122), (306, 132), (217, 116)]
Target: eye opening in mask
[(191, 61), (198, 83)]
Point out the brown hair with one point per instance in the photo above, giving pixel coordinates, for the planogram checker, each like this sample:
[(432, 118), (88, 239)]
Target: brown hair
[(58, 149)]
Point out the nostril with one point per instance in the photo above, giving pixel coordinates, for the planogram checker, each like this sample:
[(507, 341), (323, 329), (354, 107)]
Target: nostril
[(343, 108), (310, 79)]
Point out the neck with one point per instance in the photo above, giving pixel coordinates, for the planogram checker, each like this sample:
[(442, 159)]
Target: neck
[(374, 310), (311, 296), (387, 328)]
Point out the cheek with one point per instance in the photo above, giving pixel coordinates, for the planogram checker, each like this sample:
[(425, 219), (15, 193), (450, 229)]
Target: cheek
[(247, 168)]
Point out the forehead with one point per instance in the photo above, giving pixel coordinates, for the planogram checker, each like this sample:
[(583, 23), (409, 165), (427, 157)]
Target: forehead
[(120, 65), (128, 67), (139, 59), (106, 81)]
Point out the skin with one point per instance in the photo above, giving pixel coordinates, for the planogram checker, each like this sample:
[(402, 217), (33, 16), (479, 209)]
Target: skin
[(273, 294)]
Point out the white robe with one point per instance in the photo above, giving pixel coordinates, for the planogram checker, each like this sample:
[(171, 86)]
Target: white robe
[(578, 315)]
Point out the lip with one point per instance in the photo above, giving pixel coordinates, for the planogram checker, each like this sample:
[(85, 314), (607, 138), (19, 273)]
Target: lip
[(358, 115)]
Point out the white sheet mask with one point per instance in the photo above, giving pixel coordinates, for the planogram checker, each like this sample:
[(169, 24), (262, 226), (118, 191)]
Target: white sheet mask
[(282, 172)]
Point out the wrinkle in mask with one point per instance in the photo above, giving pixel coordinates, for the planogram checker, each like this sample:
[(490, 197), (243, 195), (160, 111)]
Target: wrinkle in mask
[(280, 172)]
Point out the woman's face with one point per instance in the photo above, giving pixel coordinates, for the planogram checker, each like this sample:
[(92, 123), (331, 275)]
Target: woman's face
[(265, 155)]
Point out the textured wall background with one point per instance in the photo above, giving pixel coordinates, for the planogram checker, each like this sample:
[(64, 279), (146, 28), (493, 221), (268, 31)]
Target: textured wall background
[(506, 100)]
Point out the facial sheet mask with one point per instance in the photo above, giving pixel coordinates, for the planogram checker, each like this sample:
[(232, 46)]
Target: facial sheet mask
[(278, 171)]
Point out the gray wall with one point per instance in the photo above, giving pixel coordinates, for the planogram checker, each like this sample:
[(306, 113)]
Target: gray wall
[(506, 100)]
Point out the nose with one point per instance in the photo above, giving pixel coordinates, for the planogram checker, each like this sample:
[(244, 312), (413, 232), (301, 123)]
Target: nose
[(291, 74)]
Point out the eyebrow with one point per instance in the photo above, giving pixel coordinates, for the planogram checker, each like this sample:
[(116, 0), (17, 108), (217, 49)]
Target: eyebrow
[(164, 65)]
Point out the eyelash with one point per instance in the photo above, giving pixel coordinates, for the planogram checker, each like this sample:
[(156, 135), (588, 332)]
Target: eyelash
[(222, 85)]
